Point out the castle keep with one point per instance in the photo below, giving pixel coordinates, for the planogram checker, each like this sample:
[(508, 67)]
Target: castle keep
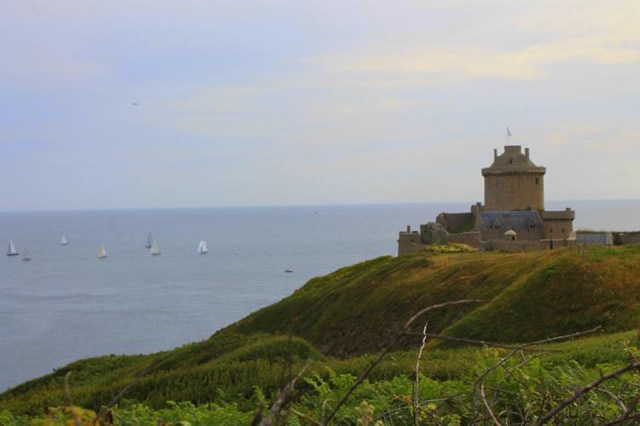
[(512, 217)]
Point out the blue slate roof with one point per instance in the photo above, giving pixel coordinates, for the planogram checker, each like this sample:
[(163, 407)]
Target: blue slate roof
[(516, 220)]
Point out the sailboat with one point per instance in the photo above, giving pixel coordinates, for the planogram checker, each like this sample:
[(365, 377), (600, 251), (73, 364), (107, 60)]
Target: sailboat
[(11, 250), (154, 250), (202, 248), (63, 240), (102, 252), (25, 256), (149, 241)]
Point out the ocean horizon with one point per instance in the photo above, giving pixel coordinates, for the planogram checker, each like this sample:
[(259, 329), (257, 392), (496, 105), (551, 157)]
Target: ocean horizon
[(67, 304)]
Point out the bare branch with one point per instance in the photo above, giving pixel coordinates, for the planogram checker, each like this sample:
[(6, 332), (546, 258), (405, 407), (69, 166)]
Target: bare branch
[(257, 417), (615, 397), (104, 410), (67, 395), (283, 398), (135, 380), (438, 306), (625, 417), (565, 337), (488, 407), (480, 342), (551, 414), (416, 385), (479, 381), (386, 350), (516, 349), (305, 417), (632, 419)]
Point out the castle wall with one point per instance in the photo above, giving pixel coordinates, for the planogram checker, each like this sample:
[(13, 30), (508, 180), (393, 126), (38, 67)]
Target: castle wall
[(630, 238), (408, 242), (558, 224), (596, 238), (472, 239), (514, 191), (454, 222), (523, 234), (557, 229), (524, 245)]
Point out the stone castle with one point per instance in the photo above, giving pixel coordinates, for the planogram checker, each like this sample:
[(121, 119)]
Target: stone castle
[(512, 218)]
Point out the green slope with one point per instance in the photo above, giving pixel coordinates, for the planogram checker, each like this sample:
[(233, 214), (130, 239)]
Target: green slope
[(339, 318), (527, 297)]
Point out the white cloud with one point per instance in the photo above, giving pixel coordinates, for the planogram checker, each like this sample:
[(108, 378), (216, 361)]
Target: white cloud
[(520, 46), (50, 64)]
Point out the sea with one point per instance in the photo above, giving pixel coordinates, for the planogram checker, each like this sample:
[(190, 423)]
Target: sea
[(67, 304)]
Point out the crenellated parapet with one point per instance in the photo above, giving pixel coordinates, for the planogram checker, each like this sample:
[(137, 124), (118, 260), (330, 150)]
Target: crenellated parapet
[(513, 181)]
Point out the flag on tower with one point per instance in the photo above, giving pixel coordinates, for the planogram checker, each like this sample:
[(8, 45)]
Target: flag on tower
[(508, 132)]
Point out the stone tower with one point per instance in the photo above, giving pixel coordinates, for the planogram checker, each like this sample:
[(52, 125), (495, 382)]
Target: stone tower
[(513, 182)]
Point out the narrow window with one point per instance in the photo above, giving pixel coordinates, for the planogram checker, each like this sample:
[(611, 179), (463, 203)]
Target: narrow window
[(536, 181)]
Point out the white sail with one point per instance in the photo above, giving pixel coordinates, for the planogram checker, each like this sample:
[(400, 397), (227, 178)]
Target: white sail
[(26, 257), (154, 250), (11, 250), (149, 241), (102, 252), (63, 240), (202, 248)]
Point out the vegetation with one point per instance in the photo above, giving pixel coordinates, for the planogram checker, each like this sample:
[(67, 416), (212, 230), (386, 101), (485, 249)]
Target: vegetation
[(337, 323)]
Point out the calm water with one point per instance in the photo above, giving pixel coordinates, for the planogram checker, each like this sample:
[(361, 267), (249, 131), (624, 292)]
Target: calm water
[(67, 304)]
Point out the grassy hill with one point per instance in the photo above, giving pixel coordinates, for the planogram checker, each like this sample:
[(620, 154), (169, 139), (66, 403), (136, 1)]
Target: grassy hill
[(527, 297), (338, 319)]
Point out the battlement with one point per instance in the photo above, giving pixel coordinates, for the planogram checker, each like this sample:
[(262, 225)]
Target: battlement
[(513, 181), (566, 214)]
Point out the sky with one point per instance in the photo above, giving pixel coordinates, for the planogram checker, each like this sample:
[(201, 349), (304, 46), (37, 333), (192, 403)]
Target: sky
[(147, 103)]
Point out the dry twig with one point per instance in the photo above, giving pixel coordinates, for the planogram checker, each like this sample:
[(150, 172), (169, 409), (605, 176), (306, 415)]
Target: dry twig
[(480, 342), (283, 398), (519, 348), (551, 414), (388, 348), (104, 410), (488, 407), (416, 385), (305, 417), (67, 395)]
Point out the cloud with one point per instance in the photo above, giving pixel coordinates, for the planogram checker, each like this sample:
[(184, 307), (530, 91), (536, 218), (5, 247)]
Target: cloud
[(470, 62), (51, 64), (520, 46)]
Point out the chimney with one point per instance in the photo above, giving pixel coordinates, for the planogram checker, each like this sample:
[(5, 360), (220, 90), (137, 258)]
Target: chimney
[(495, 154), (408, 229), (526, 153)]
